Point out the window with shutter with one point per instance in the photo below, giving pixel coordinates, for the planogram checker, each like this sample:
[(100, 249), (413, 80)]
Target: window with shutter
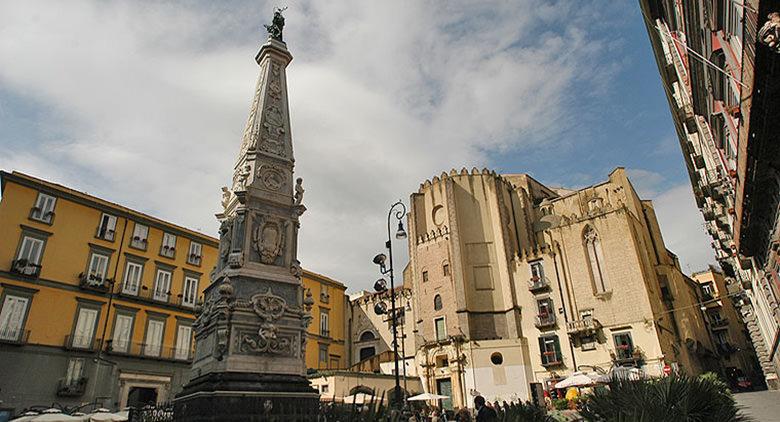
[(107, 227), (98, 266), (85, 328), (190, 293), (75, 370), (12, 317), (441, 329), (122, 333), (324, 331), (194, 257), (168, 248), (162, 285), (140, 236), (154, 337), (132, 280), (31, 250), (183, 342), (43, 210)]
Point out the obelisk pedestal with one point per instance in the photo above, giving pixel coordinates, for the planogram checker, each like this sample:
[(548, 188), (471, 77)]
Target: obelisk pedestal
[(250, 333)]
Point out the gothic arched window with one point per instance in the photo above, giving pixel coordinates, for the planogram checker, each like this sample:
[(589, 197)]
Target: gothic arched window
[(437, 305), (598, 271)]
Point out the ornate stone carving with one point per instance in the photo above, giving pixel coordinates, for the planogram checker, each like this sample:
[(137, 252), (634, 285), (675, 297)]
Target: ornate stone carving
[(259, 344), (295, 269), (274, 115), (268, 240), (769, 33), (225, 238), (299, 191), (272, 177), (241, 176), (273, 146), (226, 193), (268, 306)]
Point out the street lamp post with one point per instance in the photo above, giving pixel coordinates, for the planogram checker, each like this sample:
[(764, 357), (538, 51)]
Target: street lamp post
[(397, 211)]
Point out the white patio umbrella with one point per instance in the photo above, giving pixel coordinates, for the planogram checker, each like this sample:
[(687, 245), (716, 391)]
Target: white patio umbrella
[(25, 417), (54, 415), (621, 372), (578, 379), (427, 396), (102, 415)]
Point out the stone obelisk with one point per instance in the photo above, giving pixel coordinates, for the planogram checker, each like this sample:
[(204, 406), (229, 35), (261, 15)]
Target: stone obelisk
[(250, 333)]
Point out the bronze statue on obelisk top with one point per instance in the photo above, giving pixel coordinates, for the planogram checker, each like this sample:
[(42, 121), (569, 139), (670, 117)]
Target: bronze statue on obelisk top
[(250, 332)]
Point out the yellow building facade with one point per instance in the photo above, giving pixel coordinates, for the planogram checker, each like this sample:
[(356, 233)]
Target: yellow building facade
[(96, 300), (326, 347)]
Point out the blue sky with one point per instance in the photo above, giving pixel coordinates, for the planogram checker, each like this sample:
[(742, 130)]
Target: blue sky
[(143, 103)]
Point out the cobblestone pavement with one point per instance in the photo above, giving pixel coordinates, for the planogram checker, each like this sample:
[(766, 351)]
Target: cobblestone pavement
[(762, 406)]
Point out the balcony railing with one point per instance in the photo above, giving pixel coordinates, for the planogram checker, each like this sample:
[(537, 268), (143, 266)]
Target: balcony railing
[(71, 388), (551, 359), (627, 355), (583, 326), (717, 324), (149, 295), (138, 243), (545, 320), (150, 351), (194, 259), (95, 282), (77, 342), (14, 336), (168, 251), (536, 284), (25, 268)]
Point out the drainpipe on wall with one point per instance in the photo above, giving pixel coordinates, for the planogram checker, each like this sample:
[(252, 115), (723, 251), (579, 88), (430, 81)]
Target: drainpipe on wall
[(99, 357)]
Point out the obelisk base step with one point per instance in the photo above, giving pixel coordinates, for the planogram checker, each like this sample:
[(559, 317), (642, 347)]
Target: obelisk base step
[(245, 397)]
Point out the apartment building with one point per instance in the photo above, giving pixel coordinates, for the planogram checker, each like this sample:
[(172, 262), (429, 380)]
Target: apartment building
[(716, 61), (326, 347), (96, 300)]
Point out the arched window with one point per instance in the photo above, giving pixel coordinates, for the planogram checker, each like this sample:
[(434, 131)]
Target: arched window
[(367, 336), (598, 272), (437, 303)]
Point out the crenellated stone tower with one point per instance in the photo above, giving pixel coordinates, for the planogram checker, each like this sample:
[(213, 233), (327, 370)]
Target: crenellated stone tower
[(250, 333)]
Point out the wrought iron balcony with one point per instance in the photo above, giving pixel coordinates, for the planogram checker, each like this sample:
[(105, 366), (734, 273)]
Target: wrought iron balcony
[(71, 388), (194, 259), (545, 320), (138, 243), (25, 268), (14, 336), (149, 351), (718, 324), (95, 282), (78, 342), (627, 356), (168, 251), (550, 359), (538, 284), (583, 326)]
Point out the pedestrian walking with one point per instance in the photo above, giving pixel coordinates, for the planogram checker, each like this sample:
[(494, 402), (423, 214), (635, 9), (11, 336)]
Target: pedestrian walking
[(484, 413)]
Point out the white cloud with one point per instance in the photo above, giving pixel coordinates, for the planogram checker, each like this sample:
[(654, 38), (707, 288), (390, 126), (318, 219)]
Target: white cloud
[(146, 101), (682, 226)]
